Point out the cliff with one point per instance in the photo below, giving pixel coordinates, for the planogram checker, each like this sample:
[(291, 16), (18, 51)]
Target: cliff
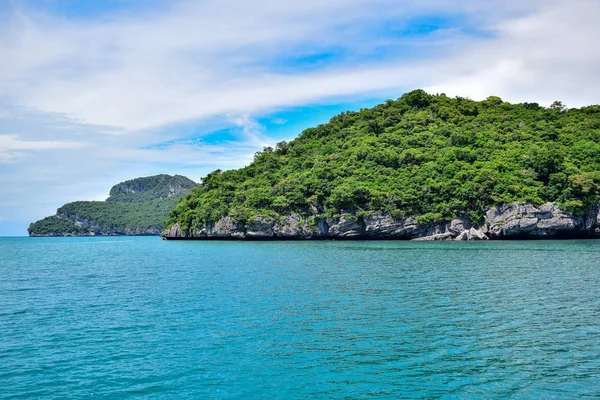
[(135, 207), (512, 221), (149, 188)]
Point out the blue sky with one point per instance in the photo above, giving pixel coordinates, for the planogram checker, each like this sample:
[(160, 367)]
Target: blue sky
[(96, 92)]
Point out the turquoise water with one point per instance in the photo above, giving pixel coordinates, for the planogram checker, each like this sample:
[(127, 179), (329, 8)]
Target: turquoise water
[(144, 318)]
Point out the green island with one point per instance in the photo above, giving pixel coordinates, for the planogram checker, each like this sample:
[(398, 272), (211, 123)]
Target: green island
[(411, 168), (135, 207)]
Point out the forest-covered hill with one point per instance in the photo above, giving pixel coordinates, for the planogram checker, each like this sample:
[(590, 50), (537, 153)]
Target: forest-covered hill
[(428, 156), (135, 207)]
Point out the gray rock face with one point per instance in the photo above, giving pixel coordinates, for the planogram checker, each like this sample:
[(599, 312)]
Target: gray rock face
[(525, 220), (295, 227), (517, 220), (346, 227), (163, 186), (260, 228), (459, 225), (592, 219), (384, 226), (290, 226), (173, 231), (225, 227), (451, 230)]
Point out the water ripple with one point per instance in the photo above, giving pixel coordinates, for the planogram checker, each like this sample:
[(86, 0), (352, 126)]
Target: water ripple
[(143, 318)]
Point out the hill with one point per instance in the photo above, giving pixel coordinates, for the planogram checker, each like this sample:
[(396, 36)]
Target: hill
[(413, 165), (135, 207)]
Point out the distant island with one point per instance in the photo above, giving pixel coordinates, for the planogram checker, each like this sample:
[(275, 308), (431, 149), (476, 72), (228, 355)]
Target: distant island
[(424, 166), (134, 207)]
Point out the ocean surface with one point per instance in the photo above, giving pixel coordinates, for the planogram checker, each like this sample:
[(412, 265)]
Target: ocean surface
[(121, 318)]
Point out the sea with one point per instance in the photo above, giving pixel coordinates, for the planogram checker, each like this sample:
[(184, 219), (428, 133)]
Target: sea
[(142, 318)]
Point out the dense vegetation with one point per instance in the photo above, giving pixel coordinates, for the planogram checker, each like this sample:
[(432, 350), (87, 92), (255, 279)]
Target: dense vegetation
[(54, 225), (141, 190), (425, 155), (137, 206)]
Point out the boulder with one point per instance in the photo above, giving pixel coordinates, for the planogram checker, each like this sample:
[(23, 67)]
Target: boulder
[(438, 236), (471, 234), (458, 225)]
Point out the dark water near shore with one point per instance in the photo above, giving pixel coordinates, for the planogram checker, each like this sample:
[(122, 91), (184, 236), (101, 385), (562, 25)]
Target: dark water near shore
[(145, 318)]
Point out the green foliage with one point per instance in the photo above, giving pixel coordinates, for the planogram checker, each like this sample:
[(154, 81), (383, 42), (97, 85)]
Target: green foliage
[(141, 204), (425, 155), (53, 225), (116, 215)]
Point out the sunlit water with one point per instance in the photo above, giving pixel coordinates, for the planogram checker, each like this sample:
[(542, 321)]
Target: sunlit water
[(145, 318)]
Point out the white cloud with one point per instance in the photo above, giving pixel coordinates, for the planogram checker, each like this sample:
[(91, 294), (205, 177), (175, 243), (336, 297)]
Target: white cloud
[(11, 147), (12, 142), (204, 58), (252, 130), (542, 56)]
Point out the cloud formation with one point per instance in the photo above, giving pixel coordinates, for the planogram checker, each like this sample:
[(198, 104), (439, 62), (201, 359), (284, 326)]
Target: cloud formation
[(87, 102)]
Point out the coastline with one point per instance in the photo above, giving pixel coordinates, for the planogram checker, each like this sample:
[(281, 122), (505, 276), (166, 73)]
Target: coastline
[(505, 222)]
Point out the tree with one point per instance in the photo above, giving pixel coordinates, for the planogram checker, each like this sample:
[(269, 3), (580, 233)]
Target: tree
[(558, 105)]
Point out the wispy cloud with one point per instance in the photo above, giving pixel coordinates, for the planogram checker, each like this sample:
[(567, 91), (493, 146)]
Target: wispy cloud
[(253, 132), (215, 57), (11, 147), (12, 142)]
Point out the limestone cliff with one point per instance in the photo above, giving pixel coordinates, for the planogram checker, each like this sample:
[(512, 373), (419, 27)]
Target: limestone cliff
[(511, 221)]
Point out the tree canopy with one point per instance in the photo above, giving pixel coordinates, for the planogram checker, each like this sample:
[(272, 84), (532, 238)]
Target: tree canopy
[(136, 205), (425, 155)]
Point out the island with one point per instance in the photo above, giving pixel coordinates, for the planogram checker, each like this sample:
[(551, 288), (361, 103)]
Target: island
[(135, 207), (424, 166)]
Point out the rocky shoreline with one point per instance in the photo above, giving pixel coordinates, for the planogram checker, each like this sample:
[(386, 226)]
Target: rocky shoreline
[(510, 221)]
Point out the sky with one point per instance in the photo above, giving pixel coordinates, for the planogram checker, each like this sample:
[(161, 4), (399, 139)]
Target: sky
[(96, 92)]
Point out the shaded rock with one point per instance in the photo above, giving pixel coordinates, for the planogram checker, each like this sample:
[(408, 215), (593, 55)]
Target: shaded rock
[(260, 228), (384, 226), (290, 226), (464, 235), (296, 227), (458, 225), (592, 218), (226, 227), (346, 227), (173, 231), (322, 227)]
